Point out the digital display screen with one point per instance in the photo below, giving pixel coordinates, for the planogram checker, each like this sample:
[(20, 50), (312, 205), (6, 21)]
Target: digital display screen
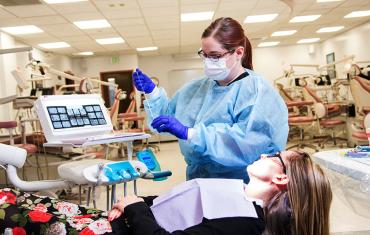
[(87, 115)]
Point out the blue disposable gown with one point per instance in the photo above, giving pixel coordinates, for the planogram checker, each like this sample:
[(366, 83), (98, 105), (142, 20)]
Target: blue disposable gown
[(232, 124)]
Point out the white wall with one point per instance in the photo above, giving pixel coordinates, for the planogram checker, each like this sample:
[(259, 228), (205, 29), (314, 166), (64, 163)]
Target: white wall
[(92, 66), (353, 42), (9, 62)]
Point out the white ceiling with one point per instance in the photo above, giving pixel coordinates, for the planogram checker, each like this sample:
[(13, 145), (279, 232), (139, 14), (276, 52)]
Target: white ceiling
[(144, 23)]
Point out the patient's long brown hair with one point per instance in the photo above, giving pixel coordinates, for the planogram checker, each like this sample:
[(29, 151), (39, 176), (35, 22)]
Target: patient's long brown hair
[(303, 209)]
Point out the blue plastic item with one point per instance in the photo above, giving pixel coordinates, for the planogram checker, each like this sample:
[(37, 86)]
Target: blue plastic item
[(148, 158), (120, 171), (363, 149), (358, 154)]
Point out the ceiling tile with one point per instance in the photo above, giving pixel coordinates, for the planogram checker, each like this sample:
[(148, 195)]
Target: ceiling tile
[(157, 3), (62, 30), (45, 20), (100, 31), (169, 50), (87, 46), (198, 8), (115, 4), (197, 2), (166, 43), (126, 22), (31, 10), (84, 16), (134, 31), (4, 14), (243, 5), (166, 34), (76, 7), (12, 22), (80, 38), (160, 12), (122, 14)]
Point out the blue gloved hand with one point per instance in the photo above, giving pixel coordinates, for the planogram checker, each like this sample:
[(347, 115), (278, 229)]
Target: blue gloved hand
[(171, 125), (142, 82)]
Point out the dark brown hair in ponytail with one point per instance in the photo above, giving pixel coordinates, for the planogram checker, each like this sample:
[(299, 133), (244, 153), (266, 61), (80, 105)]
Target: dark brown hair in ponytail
[(230, 34)]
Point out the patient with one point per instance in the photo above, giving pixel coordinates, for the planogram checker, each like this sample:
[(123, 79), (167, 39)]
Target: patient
[(295, 192)]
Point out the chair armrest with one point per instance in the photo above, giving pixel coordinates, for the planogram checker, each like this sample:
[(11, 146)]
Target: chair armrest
[(298, 103)]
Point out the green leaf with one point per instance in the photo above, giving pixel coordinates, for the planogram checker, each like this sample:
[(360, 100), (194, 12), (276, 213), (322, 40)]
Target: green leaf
[(22, 221), (48, 204), (2, 214), (15, 217), (29, 201), (6, 205), (38, 200)]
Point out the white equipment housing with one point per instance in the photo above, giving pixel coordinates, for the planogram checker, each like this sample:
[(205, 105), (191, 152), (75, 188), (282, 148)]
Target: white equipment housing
[(64, 117)]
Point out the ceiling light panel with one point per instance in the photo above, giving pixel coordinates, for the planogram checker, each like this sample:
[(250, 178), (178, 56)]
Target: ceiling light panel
[(147, 48), (84, 53), (307, 18), (283, 33), (197, 16), (260, 18), (330, 29), (308, 40), (20, 30), (355, 14), (92, 24), (268, 44), (54, 45), (106, 41)]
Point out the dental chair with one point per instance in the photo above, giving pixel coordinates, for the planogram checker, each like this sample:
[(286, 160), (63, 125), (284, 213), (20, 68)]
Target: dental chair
[(360, 89), (328, 116), (90, 173)]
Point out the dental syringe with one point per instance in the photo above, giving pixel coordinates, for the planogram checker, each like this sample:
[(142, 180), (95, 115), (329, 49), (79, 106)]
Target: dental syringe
[(146, 98)]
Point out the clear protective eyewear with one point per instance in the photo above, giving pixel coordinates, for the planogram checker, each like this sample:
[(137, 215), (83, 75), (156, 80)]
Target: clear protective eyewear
[(214, 58)]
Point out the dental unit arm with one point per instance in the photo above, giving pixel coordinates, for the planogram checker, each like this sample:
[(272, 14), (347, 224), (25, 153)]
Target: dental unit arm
[(12, 158)]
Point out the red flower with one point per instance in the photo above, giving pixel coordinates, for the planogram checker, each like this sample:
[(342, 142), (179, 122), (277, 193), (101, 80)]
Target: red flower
[(39, 216), (7, 197), (19, 231), (87, 231)]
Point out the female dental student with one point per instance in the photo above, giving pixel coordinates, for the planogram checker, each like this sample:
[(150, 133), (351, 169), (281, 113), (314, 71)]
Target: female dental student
[(225, 120)]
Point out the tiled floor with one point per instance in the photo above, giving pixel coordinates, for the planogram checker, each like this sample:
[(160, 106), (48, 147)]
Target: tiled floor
[(346, 214)]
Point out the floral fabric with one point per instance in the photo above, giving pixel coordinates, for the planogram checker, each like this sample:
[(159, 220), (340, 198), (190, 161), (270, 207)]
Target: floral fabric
[(31, 214)]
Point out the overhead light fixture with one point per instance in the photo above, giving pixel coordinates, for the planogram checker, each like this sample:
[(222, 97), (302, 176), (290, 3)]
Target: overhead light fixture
[(54, 45), (147, 48), (320, 1), (268, 44), (92, 24), (260, 18), (197, 16), (354, 14), (19, 30), (62, 1), (308, 18), (105, 41), (84, 53), (330, 29), (283, 33), (308, 40)]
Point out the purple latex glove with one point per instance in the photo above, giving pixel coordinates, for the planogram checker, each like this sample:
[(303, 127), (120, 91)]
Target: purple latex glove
[(171, 125), (142, 82)]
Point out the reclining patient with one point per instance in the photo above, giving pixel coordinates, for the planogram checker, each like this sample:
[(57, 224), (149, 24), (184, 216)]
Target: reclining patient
[(287, 194)]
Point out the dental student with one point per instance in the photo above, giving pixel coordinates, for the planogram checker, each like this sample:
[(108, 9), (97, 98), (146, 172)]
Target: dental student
[(226, 119)]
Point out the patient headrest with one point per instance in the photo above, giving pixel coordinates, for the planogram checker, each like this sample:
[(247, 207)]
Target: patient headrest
[(11, 155)]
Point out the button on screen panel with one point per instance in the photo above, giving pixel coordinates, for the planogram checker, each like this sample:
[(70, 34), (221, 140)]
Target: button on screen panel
[(69, 117)]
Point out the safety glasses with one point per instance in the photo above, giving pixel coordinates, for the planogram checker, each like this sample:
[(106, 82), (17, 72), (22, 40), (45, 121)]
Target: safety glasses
[(277, 155), (214, 58)]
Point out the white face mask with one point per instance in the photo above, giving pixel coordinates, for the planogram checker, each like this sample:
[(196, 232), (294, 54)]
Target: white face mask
[(217, 71)]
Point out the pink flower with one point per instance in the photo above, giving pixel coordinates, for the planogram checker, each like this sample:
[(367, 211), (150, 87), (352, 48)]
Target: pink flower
[(19, 231), (100, 226), (68, 209), (39, 216), (7, 197), (79, 222), (40, 207)]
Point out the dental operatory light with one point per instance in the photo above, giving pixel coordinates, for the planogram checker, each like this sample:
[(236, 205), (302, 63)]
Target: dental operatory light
[(54, 45), (147, 49), (106, 41), (20, 30), (355, 14), (84, 53), (197, 16), (63, 1), (268, 44), (92, 24), (306, 18), (283, 33), (260, 18), (330, 29), (308, 40)]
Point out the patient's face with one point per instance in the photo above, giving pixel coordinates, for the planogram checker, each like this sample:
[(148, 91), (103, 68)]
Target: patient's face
[(265, 168)]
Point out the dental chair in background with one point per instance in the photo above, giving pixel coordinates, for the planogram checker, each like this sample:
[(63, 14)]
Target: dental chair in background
[(360, 89)]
